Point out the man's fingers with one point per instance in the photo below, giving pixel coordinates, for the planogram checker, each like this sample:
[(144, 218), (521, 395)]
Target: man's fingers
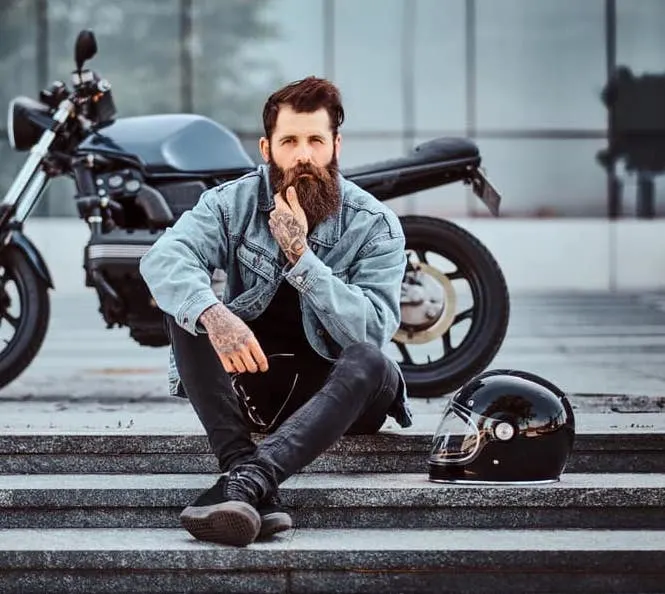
[(294, 205), (292, 200), (248, 360), (258, 354), (227, 364), (280, 202), (291, 196), (237, 361)]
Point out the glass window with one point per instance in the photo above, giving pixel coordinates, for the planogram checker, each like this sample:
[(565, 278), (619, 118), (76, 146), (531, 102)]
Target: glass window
[(138, 49), (441, 201), (548, 178), (243, 51), (10, 163), (18, 52), (439, 65), (540, 64), (368, 52), (449, 200), (358, 151), (640, 39), (58, 200)]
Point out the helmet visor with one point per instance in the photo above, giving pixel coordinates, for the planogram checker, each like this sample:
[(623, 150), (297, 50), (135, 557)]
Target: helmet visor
[(457, 439)]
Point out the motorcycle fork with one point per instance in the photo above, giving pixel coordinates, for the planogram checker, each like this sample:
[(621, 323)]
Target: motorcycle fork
[(29, 184), (85, 184)]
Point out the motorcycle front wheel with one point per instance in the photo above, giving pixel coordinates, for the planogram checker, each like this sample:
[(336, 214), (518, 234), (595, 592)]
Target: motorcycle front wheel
[(454, 305), (24, 314)]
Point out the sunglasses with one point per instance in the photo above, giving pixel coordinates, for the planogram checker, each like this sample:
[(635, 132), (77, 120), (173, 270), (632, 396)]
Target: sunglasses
[(246, 399)]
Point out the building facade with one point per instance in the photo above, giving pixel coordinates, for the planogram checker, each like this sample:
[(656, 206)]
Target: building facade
[(523, 78)]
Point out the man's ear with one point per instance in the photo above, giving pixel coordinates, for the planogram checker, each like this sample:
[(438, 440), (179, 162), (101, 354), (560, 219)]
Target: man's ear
[(264, 147), (338, 145)]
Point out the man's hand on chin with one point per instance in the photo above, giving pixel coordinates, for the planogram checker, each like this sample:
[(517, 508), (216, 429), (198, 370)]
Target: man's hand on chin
[(288, 224)]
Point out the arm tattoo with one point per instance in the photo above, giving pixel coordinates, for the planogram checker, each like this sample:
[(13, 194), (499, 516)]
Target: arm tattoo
[(290, 235), (227, 332)]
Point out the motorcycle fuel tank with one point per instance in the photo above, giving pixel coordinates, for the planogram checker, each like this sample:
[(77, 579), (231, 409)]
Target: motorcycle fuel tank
[(171, 144)]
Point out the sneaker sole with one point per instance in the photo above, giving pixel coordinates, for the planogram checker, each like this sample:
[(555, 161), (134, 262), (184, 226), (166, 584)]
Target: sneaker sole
[(232, 522), (274, 523)]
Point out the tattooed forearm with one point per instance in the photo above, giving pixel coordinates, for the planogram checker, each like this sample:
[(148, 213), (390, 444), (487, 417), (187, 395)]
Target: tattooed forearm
[(227, 332), (290, 235)]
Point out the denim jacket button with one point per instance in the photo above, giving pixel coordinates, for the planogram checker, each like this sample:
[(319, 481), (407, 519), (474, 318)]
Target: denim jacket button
[(319, 332), (299, 279)]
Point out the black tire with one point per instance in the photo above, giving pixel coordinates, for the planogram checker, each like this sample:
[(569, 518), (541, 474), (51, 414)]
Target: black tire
[(34, 315), (489, 319)]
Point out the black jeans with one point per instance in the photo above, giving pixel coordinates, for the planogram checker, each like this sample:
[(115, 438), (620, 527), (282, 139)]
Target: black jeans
[(349, 396)]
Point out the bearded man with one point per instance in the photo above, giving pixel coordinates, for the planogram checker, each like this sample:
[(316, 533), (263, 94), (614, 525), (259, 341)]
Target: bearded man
[(314, 266)]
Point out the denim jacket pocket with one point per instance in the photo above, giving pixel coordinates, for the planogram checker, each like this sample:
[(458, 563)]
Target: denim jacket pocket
[(255, 263), (249, 304)]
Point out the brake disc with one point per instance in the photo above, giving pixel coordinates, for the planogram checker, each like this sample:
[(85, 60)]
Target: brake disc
[(428, 304)]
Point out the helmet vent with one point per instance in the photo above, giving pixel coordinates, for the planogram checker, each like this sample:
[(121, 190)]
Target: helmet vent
[(504, 431)]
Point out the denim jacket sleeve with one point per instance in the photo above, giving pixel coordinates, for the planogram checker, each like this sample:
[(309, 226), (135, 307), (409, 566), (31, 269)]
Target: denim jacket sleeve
[(179, 265), (364, 309)]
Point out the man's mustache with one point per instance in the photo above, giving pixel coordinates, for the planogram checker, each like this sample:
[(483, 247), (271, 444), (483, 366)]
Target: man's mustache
[(300, 169)]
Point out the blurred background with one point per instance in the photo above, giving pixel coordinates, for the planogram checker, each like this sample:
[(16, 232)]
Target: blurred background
[(565, 99), (521, 77)]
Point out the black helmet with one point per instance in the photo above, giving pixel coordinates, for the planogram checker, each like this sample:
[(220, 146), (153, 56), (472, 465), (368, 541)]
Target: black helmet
[(503, 426)]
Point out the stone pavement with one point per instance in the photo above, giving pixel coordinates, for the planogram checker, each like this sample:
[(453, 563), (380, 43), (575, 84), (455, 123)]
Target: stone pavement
[(87, 378), (96, 463)]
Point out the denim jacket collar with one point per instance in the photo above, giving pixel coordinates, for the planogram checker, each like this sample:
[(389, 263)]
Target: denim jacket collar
[(326, 233)]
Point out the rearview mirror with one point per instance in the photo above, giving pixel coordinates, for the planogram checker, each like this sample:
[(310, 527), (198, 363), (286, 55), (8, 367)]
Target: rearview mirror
[(85, 48)]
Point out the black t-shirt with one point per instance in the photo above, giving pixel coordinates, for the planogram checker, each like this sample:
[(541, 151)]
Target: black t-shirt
[(279, 329)]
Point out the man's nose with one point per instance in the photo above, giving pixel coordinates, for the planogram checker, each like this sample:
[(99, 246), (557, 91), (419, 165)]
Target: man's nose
[(304, 154)]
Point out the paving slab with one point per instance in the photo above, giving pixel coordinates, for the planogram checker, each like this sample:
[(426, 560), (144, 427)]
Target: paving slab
[(600, 334), (175, 415), (140, 437), (422, 540), (363, 489), (335, 561), (343, 500)]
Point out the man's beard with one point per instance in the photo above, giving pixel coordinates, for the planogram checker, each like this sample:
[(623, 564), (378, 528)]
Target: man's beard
[(319, 195)]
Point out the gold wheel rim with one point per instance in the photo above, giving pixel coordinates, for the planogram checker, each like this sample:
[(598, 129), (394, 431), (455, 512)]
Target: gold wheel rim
[(445, 321)]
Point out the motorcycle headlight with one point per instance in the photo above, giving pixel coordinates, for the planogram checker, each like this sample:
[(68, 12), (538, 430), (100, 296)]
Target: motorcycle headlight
[(26, 121), (10, 125)]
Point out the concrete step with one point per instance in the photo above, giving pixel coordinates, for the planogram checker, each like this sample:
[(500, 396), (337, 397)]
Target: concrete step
[(310, 561), (342, 501), (604, 443)]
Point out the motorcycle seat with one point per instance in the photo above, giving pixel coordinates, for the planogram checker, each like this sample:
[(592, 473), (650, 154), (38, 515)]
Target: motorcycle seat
[(438, 150)]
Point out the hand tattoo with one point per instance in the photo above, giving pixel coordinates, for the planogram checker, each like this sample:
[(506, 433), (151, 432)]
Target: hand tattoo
[(227, 332), (289, 233)]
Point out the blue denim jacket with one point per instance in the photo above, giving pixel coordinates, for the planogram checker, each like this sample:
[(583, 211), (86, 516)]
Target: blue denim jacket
[(349, 280)]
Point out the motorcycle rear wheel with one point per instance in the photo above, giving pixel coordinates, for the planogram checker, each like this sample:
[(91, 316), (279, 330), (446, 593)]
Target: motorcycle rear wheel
[(461, 307), (24, 314)]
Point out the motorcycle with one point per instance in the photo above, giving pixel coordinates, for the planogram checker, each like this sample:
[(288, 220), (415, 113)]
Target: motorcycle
[(135, 177)]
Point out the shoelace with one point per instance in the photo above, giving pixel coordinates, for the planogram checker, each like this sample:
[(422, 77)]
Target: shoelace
[(241, 487)]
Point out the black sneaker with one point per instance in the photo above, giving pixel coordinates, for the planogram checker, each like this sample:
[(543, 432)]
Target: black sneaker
[(273, 517), (224, 514)]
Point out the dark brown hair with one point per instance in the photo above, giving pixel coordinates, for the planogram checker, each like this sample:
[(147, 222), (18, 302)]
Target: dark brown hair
[(306, 95)]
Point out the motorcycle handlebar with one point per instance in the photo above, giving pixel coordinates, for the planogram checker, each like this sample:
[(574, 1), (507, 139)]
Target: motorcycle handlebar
[(55, 94)]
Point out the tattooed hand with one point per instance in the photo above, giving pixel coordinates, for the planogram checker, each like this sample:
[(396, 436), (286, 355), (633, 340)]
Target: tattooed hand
[(234, 342), (288, 224)]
